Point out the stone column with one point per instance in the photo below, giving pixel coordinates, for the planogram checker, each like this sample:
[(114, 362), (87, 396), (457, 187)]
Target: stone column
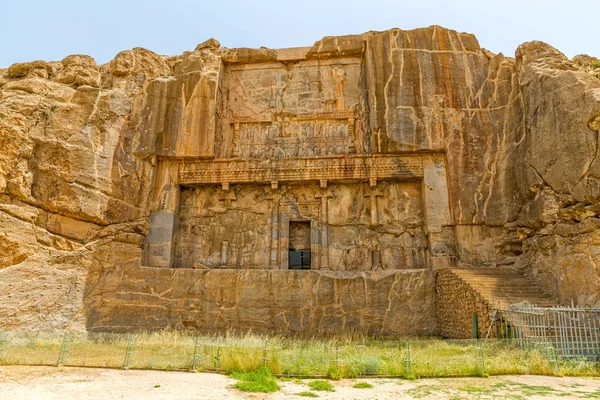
[(373, 193), (351, 135), (284, 241), (315, 244), (438, 220), (160, 245), (224, 251), (275, 232), (324, 195), (236, 139)]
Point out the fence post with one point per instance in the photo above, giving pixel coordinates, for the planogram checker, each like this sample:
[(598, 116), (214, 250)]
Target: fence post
[(217, 356), (359, 349), (337, 360), (63, 355), (129, 351), (408, 362), (480, 358), (475, 326), (197, 356), (265, 353)]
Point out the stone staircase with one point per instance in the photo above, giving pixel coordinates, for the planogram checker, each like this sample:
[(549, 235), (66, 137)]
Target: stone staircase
[(503, 286)]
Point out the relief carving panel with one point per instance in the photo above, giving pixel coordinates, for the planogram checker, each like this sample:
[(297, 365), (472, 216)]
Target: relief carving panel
[(248, 226), (292, 110)]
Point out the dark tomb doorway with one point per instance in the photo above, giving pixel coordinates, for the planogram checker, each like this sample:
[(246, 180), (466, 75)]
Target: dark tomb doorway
[(299, 256)]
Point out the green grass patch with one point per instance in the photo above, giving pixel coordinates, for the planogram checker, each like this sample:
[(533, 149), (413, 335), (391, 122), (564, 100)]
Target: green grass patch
[(475, 389), (310, 358), (421, 391), (321, 385), (259, 381), (363, 385), (308, 394), (535, 390), (590, 395)]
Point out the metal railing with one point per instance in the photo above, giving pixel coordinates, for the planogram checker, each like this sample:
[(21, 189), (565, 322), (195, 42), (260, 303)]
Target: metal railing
[(569, 332)]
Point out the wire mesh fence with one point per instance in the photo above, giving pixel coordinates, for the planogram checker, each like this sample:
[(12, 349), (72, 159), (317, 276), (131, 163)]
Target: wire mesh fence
[(568, 332), (309, 358)]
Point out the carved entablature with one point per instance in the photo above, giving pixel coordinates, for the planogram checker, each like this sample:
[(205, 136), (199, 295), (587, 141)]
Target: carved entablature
[(373, 168), (287, 135)]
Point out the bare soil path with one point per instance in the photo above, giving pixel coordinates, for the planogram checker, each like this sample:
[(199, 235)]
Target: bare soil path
[(21, 382)]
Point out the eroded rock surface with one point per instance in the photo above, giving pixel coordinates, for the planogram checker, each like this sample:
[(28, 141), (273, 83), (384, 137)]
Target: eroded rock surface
[(405, 150)]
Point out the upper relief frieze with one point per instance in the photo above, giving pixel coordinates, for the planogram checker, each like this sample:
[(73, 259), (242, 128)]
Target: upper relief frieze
[(289, 110)]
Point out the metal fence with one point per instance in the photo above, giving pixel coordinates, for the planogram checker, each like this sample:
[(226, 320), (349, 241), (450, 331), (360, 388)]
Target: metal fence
[(570, 332), (287, 357), (284, 357)]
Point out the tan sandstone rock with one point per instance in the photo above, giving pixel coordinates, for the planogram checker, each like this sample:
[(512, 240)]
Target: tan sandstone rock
[(160, 191), (79, 70)]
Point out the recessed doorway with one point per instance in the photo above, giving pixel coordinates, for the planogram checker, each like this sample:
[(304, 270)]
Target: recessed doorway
[(299, 251)]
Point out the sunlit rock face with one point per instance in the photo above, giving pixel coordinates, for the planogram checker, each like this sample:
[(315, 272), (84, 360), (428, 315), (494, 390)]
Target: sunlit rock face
[(303, 190)]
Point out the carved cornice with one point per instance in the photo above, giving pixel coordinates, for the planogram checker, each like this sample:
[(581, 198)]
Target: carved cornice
[(301, 169), (308, 116)]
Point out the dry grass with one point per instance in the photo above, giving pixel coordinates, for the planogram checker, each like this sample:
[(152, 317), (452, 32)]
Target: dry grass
[(333, 358)]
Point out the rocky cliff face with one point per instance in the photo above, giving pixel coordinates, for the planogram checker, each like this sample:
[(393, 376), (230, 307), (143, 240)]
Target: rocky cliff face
[(558, 220), (79, 175), (71, 186)]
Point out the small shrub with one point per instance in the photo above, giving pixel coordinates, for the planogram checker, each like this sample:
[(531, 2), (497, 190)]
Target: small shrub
[(308, 394), (363, 385), (595, 64), (156, 386), (334, 373), (48, 113), (372, 365), (259, 381), (321, 385)]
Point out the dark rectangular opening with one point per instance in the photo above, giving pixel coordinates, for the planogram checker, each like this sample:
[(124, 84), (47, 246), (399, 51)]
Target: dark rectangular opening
[(299, 259), (299, 251)]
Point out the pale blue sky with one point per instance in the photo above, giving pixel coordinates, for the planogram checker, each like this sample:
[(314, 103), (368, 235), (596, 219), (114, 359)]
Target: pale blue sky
[(53, 29)]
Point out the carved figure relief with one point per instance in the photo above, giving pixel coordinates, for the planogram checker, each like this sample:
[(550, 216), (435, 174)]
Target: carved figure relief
[(248, 226), (301, 110)]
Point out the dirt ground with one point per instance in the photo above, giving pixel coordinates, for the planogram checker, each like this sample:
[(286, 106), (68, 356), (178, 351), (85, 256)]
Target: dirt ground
[(20, 382)]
